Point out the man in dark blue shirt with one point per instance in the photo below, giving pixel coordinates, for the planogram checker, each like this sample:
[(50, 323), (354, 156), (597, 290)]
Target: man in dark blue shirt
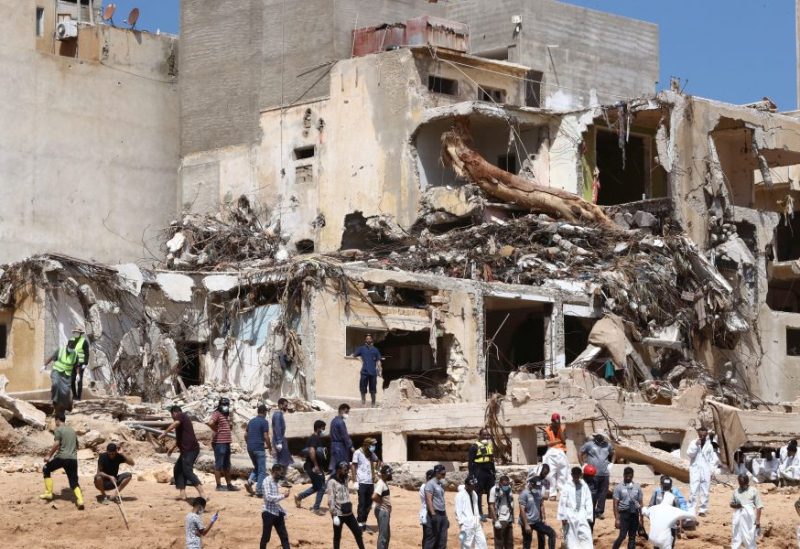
[(258, 444), (370, 368)]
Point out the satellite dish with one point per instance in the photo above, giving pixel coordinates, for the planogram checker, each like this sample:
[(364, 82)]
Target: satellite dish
[(108, 13), (133, 17)]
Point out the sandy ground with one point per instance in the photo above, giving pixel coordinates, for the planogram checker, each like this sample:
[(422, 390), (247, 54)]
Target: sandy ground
[(156, 519)]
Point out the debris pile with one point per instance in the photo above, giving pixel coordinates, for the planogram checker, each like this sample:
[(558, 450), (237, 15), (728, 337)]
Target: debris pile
[(232, 236)]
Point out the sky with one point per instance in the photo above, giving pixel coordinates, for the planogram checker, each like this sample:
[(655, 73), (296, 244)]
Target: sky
[(736, 51)]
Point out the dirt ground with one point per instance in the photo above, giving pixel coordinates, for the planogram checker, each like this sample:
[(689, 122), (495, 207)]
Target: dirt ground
[(156, 518)]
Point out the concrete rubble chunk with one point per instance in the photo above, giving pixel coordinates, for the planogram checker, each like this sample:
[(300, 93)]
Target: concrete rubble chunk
[(23, 411), (645, 220)]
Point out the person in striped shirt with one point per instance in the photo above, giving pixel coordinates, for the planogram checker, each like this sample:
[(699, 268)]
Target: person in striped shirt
[(221, 442)]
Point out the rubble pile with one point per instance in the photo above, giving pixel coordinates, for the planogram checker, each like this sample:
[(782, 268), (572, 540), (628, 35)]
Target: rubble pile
[(233, 235)]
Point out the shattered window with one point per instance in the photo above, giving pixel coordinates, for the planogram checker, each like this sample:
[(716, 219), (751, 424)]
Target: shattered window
[(437, 84), (3, 340), (491, 95)]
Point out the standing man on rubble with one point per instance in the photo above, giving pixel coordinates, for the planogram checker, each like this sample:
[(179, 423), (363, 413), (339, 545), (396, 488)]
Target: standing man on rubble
[(82, 360), (63, 455), (188, 448), (702, 462), (599, 453), (221, 442), (341, 445), (437, 523), (628, 499), (556, 455), (365, 460), (370, 368), (257, 436), (481, 466), (65, 359), (282, 454)]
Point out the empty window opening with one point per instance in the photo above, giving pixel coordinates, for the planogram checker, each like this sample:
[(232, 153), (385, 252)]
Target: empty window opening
[(515, 338), (303, 174), (576, 336), (438, 84), (301, 153), (3, 341), (784, 295), (305, 246), (190, 359), (787, 239), (39, 21), (793, 341), (397, 296), (667, 445), (507, 162), (737, 160), (491, 94), (621, 181), (442, 446), (533, 89)]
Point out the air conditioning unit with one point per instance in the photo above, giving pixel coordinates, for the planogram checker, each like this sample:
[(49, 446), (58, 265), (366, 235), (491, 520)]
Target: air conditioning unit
[(67, 30)]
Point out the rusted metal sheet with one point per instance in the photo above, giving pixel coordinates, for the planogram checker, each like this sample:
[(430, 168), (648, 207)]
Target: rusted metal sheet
[(421, 31)]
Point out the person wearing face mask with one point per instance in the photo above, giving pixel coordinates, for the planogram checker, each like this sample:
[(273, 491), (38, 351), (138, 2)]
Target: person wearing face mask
[(273, 515), (282, 454), (501, 511), (599, 453), (364, 463), (221, 442), (481, 466), (470, 533), (258, 443), (702, 462), (316, 462), (576, 512), (436, 533), (556, 455), (194, 528), (423, 510), (383, 507), (341, 508), (341, 445)]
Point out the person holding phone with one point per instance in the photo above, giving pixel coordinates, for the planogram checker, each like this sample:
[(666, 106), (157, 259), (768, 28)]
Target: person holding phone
[(195, 528)]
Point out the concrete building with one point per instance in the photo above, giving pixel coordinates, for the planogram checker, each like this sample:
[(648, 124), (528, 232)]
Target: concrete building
[(89, 140)]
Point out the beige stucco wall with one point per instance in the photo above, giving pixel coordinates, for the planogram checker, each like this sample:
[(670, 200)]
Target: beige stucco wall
[(25, 343)]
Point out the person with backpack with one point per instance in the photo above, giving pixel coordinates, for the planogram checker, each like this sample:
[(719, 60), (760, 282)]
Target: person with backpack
[(501, 512), (316, 461)]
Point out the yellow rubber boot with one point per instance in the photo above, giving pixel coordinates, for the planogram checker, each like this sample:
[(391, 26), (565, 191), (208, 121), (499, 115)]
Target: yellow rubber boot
[(48, 489), (78, 497)]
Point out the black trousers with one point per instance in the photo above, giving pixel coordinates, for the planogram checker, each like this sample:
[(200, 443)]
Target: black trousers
[(351, 522), (628, 526), (436, 531), (485, 474), (279, 523), (77, 380), (183, 471), (365, 492), (599, 494), (70, 467), (542, 530)]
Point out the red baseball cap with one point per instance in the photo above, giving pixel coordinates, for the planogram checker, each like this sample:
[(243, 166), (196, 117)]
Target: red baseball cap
[(589, 470), (555, 417)]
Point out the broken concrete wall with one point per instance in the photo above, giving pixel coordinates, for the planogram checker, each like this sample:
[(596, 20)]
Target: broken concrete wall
[(25, 347)]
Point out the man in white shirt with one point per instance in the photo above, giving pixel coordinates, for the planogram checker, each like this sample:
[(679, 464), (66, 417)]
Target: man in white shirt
[(468, 516), (765, 468), (501, 511), (364, 462), (576, 511), (789, 468), (703, 461)]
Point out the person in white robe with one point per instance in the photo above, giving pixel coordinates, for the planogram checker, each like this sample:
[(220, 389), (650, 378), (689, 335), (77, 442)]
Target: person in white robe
[(576, 512)]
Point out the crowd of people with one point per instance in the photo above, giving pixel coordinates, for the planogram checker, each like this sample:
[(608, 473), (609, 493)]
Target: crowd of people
[(580, 490)]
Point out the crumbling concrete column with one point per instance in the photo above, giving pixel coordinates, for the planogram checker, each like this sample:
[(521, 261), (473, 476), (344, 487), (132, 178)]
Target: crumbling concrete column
[(395, 447), (523, 445), (554, 337)]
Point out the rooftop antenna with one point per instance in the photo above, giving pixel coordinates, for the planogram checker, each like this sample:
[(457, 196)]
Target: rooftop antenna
[(108, 13), (133, 17)]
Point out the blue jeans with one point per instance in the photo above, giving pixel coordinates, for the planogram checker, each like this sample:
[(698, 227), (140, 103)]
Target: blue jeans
[(222, 456), (318, 486), (259, 459)]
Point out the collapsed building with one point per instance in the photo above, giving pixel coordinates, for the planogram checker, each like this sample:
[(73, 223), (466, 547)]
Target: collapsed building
[(630, 264)]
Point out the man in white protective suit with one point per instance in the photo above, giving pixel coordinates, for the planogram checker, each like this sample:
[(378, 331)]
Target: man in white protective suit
[(576, 512), (703, 461), (747, 506), (468, 516), (664, 518), (789, 468)]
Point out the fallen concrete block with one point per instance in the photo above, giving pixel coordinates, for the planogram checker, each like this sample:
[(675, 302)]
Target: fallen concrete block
[(662, 462), (23, 411), (645, 220)]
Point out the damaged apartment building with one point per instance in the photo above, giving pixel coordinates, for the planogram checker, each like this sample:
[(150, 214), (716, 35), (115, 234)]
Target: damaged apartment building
[(505, 213)]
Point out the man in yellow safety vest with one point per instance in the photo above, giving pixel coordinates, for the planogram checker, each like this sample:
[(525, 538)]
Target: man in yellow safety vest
[(64, 361), (82, 354), (481, 466)]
